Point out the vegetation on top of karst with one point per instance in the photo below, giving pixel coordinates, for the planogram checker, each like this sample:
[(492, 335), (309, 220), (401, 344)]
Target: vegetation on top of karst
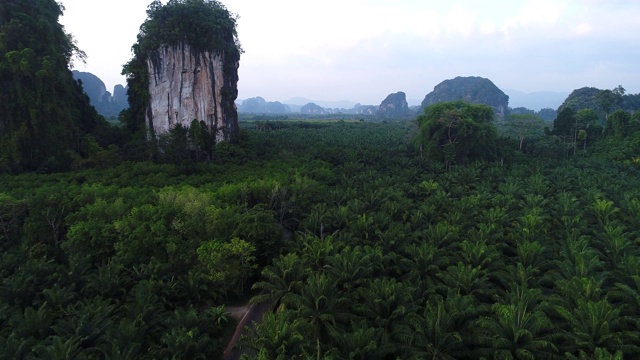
[(203, 25), (602, 102)]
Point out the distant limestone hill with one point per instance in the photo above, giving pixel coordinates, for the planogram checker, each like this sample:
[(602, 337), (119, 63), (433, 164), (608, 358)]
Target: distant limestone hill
[(301, 101), (473, 89), (312, 108), (583, 98), (105, 104), (364, 109), (394, 106), (258, 105), (591, 98), (587, 98)]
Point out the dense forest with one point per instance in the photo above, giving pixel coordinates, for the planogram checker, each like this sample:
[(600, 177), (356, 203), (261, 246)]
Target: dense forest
[(449, 236), (364, 248)]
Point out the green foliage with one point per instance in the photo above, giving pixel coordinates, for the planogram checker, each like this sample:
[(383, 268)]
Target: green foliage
[(619, 124), (173, 146), (12, 215), (564, 124), (602, 102), (522, 127), (44, 113), (455, 132), (206, 25), (228, 264), (547, 114), (354, 245)]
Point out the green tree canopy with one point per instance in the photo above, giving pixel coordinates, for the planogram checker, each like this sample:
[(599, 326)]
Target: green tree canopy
[(43, 111), (452, 132), (618, 124), (564, 124), (522, 126)]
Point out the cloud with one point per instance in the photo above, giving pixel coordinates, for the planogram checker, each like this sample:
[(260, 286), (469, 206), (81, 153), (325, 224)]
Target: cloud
[(582, 29), (488, 28), (535, 14), (364, 49), (461, 21)]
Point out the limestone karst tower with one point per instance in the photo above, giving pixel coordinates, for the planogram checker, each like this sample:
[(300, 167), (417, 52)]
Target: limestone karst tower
[(185, 67)]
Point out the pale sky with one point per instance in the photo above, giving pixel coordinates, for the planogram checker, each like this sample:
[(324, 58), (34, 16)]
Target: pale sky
[(363, 50)]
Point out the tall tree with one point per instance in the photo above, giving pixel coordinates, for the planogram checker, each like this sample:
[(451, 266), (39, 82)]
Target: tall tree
[(610, 99), (523, 126), (455, 132), (618, 124), (564, 123)]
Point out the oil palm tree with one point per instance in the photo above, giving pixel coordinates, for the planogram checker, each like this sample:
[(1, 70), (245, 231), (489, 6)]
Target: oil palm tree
[(578, 258), (280, 281), (495, 217), (320, 306), (276, 336), (537, 184), (613, 242), (444, 235), (442, 330), (422, 263), (597, 324), (467, 280), (386, 305), (59, 348), (531, 253), (603, 211), (316, 251), (519, 328), (90, 321), (362, 342), (15, 346), (627, 293), (350, 268)]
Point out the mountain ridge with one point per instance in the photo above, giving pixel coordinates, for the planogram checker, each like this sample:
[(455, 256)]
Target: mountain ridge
[(106, 103)]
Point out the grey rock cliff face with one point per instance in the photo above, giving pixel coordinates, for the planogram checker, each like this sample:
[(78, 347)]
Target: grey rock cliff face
[(394, 105), (473, 89), (186, 85), (102, 100)]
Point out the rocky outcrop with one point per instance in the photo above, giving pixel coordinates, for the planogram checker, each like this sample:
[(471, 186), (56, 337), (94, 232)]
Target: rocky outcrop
[(394, 106), (365, 109), (259, 105), (185, 85), (102, 100), (120, 94), (312, 108), (473, 89)]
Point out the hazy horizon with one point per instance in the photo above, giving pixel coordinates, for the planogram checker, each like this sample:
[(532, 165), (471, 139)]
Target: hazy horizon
[(362, 51)]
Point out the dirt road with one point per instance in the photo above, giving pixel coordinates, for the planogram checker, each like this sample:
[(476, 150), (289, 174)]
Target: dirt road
[(245, 315)]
